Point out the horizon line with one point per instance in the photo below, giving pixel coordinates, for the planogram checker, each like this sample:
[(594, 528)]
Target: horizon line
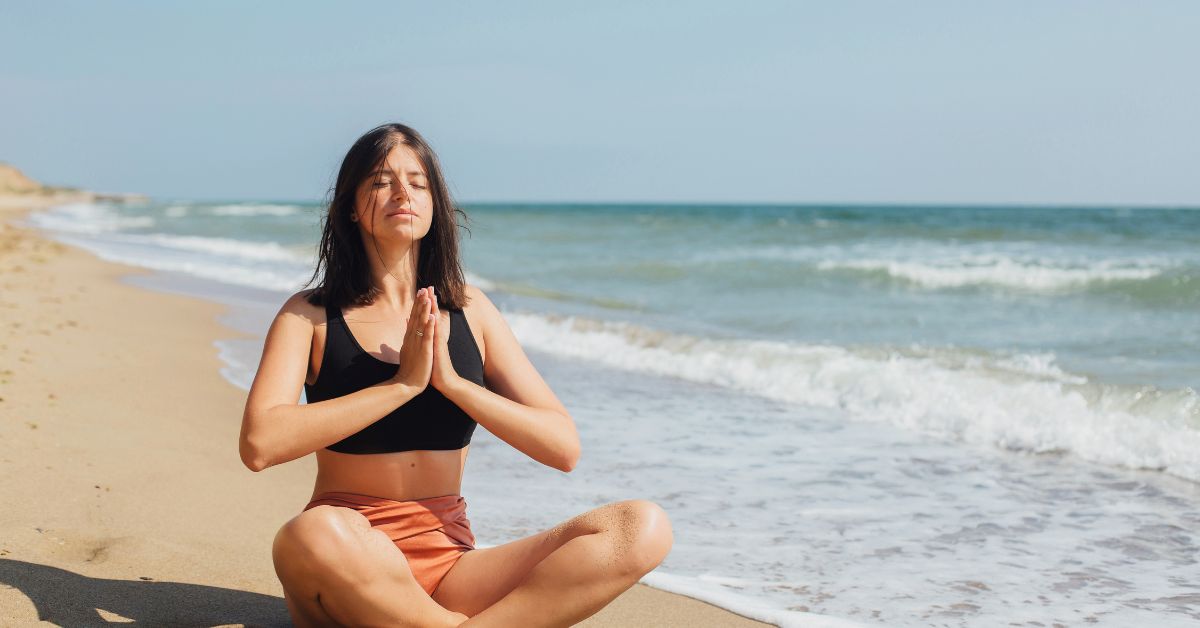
[(773, 204)]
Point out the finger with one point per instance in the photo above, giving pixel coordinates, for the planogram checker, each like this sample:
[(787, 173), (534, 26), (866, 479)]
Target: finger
[(430, 318), (415, 306), (439, 328), (415, 319)]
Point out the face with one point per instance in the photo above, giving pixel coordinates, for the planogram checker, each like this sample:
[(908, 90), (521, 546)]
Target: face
[(394, 201)]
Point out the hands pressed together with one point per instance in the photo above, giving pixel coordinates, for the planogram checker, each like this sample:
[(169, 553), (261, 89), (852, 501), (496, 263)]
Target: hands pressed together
[(425, 354)]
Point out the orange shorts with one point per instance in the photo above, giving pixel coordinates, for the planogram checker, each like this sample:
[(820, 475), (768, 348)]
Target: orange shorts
[(433, 533)]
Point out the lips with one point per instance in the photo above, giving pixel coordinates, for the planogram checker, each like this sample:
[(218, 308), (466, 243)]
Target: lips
[(403, 213)]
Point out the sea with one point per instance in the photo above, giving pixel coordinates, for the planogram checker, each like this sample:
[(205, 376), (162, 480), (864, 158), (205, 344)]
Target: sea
[(853, 415)]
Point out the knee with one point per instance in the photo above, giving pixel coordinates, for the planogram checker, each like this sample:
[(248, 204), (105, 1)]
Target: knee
[(644, 536), (318, 537)]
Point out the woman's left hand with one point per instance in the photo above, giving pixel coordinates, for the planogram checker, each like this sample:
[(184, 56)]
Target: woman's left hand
[(444, 376)]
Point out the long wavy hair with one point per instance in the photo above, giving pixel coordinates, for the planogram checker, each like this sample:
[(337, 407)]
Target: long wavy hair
[(343, 274)]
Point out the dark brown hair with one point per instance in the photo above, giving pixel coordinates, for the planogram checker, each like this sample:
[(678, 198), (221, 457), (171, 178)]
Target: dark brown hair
[(342, 268)]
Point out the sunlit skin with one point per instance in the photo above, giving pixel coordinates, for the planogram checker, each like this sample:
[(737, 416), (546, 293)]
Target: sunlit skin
[(334, 568)]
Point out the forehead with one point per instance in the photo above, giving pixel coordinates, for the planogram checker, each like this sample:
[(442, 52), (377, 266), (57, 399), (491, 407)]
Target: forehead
[(401, 159)]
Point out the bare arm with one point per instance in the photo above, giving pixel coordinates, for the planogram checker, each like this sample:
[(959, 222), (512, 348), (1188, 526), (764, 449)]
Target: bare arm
[(517, 405), (275, 427)]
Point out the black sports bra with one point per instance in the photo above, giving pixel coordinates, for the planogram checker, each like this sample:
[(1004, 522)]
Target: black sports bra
[(427, 421)]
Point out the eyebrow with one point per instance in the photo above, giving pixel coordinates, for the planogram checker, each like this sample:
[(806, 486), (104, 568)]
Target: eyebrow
[(410, 172)]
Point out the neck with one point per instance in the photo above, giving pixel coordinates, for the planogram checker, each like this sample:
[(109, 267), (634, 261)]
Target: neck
[(394, 271)]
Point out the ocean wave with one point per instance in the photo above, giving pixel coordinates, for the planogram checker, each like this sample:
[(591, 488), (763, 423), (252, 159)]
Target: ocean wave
[(1018, 402), (935, 265), (255, 209), (88, 218), (1003, 271), (224, 247), (274, 276), (271, 275), (100, 229)]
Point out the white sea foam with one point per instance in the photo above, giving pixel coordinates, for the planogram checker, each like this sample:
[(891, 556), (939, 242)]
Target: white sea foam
[(223, 247), (255, 209), (273, 271), (88, 218), (1000, 270), (939, 265), (1024, 403), (236, 367), (103, 230), (711, 590), (1033, 365)]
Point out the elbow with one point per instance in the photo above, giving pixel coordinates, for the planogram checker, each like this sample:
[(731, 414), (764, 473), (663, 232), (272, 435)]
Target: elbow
[(569, 460), (571, 449), (253, 460), (253, 455), (255, 464)]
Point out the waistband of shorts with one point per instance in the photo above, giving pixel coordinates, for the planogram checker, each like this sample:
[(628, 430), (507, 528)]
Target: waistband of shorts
[(359, 500)]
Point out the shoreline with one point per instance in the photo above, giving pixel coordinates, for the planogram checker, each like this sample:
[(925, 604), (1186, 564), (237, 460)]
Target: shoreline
[(133, 530)]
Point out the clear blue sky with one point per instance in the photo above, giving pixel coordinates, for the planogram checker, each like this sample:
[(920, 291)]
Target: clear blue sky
[(840, 101)]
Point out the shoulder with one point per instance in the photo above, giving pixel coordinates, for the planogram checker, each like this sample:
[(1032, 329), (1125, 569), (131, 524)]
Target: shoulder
[(481, 313), (289, 339), (298, 306)]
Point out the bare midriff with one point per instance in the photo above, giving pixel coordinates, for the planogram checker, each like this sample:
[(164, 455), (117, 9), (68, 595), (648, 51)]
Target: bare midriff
[(401, 476)]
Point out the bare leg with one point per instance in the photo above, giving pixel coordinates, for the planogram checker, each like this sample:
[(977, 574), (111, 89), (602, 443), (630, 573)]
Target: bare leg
[(563, 575), (337, 570)]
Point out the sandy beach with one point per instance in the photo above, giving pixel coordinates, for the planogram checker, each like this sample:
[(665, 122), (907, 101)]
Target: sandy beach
[(124, 498)]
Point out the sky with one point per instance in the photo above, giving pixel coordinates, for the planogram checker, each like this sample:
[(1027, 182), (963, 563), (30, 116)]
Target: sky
[(1057, 103)]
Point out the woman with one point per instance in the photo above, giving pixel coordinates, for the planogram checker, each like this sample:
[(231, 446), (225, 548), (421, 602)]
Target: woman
[(401, 359)]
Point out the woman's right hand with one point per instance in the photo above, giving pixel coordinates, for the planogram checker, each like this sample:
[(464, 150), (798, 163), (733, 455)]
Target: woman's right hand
[(416, 352)]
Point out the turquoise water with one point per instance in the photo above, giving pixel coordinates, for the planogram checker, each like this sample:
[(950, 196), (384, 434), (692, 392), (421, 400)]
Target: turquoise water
[(996, 279), (811, 390)]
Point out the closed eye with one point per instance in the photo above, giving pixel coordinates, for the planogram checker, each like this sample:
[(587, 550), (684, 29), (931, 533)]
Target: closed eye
[(382, 184)]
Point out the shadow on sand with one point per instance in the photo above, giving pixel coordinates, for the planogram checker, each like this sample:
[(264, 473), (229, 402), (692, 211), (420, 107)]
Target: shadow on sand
[(69, 599)]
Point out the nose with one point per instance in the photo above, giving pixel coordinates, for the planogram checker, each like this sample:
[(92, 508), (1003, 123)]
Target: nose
[(399, 190)]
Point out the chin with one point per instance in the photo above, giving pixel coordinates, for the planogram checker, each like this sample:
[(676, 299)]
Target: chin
[(399, 234)]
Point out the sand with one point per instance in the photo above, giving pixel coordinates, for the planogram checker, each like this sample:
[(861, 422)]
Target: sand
[(123, 497)]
